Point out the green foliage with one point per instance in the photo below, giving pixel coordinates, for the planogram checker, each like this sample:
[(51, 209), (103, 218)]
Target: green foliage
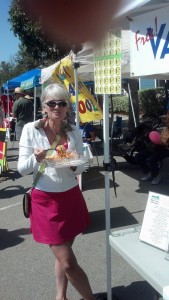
[(7, 71), (33, 37), (152, 102), (120, 104)]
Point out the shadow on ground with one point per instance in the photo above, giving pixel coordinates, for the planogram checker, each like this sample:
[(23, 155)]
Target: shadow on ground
[(94, 179), (12, 191), (119, 217), (136, 291), (12, 238)]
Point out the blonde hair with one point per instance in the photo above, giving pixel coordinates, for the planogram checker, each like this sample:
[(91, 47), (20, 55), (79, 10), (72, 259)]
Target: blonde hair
[(56, 91)]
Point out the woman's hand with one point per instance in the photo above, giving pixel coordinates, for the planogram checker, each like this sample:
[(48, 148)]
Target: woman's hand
[(39, 154)]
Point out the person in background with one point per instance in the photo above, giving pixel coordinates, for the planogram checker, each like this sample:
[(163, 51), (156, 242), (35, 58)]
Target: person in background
[(22, 111), (2, 113), (87, 131), (58, 209), (7, 102), (149, 160)]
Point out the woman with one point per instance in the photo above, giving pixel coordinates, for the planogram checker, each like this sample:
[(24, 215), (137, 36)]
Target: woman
[(58, 209), (149, 160)]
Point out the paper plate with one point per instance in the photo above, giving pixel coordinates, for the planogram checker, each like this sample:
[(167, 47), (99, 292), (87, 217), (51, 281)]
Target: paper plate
[(66, 162)]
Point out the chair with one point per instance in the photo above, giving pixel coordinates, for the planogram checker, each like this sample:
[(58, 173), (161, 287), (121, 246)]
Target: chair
[(94, 149), (117, 128)]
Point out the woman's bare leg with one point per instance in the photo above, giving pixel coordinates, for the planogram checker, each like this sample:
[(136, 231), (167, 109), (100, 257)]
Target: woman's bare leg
[(73, 271), (61, 281)]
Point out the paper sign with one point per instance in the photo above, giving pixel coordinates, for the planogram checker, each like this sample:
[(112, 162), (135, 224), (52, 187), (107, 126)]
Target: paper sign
[(107, 65), (156, 221)]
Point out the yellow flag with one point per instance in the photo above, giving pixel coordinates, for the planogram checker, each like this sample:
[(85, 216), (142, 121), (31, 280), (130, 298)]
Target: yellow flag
[(88, 108)]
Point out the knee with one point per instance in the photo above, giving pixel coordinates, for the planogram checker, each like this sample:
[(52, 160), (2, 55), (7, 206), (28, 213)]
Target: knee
[(69, 265)]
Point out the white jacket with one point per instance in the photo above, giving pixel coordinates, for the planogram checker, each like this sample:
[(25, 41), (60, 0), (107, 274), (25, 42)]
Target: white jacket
[(52, 180)]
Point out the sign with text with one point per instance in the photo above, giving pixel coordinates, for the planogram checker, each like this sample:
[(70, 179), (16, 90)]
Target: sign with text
[(89, 110), (155, 224), (107, 65), (149, 43)]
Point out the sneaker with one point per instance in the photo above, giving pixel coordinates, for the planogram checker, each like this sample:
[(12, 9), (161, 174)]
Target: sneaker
[(146, 177), (156, 180)]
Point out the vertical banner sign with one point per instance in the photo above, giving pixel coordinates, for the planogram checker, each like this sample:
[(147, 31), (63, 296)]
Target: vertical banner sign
[(107, 65), (88, 108)]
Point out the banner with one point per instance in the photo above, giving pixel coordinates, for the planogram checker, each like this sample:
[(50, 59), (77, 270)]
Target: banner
[(107, 65), (89, 110), (150, 44)]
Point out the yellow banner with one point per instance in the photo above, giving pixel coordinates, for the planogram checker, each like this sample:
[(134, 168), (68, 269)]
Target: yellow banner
[(88, 108)]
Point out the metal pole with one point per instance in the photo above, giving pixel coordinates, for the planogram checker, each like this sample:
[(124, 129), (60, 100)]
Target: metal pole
[(34, 99), (132, 107), (107, 191), (76, 66)]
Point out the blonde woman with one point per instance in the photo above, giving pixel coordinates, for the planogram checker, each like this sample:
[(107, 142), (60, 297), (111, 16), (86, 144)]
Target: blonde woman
[(58, 209)]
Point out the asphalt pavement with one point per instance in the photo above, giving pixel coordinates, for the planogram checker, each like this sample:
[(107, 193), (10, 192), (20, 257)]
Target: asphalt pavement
[(27, 268)]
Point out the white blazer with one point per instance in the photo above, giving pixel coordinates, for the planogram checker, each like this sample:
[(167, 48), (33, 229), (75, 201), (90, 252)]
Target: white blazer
[(52, 180)]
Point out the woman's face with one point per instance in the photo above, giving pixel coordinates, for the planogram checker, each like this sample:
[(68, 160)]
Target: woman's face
[(56, 109)]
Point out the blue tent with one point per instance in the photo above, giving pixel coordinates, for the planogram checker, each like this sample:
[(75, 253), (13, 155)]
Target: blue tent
[(26, 80)]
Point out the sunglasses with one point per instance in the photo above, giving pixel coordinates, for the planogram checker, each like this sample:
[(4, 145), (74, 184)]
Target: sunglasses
[(53, 103)]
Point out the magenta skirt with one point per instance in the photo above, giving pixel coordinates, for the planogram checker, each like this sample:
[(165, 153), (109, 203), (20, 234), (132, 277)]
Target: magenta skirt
[(56, 218)]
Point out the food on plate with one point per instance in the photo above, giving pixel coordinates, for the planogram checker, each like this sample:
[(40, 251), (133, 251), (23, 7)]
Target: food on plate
[(62, 155)]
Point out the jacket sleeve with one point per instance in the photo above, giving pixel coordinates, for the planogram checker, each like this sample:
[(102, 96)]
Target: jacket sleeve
[(27, 162)]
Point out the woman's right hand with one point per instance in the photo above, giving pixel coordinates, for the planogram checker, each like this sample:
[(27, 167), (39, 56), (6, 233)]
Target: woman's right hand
[(39, 154)]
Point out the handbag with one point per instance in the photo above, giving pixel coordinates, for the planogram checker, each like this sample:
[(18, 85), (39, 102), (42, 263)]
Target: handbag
[(27, 196)]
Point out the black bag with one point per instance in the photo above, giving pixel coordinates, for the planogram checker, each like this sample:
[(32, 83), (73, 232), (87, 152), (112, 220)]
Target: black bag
[(27, 203)]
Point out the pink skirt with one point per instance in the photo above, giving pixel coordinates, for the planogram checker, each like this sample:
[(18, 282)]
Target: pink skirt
[(56, 218)]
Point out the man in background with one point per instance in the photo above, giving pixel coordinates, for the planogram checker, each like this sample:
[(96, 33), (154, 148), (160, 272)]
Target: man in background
[(22, 111)]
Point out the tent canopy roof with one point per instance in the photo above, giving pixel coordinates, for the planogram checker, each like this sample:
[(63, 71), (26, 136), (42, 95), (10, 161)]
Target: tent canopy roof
[(26, 80)]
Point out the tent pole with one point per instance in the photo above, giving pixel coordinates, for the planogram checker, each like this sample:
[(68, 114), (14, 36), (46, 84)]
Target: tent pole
[(76, 66), (34, 103), (107, 190), (132, 107)]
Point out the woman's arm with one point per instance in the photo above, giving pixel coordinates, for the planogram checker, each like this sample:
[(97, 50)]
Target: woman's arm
[(27, 162)]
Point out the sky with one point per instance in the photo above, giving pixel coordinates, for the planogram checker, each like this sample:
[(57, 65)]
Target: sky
[(9, 43)]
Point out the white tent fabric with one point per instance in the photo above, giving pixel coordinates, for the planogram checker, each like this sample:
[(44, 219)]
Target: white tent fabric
[(129, 9)]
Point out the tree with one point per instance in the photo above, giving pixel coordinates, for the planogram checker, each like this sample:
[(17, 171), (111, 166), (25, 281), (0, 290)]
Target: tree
[(33, 39), (7, 71)]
